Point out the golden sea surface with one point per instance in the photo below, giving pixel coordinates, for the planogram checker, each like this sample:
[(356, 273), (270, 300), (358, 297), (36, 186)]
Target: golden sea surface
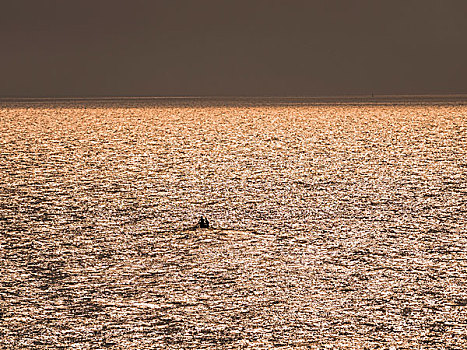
[(334, 225)]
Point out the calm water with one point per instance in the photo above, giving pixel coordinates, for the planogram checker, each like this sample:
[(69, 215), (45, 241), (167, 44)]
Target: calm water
[(334, 224)]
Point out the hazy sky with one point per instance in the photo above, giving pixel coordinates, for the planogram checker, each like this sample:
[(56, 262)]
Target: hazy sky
[(235, 47)]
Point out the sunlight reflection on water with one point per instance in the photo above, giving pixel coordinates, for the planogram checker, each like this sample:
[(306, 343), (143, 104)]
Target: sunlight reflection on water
[(339, 224)]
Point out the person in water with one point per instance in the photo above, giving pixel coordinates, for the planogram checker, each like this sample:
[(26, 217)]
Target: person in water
[(203, 222)]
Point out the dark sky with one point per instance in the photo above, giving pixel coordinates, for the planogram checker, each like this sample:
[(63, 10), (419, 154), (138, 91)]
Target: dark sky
[(235, 47)]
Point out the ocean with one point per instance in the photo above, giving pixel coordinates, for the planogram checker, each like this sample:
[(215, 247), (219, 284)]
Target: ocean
[(335, 223)]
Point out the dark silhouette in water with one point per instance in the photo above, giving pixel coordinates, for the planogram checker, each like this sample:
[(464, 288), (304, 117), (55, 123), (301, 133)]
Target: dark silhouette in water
[(203, 222)]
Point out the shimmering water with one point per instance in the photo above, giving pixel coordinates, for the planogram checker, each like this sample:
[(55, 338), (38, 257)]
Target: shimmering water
[(339, 224)]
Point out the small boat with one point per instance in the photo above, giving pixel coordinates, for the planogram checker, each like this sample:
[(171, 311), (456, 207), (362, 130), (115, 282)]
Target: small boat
[(203, 222)]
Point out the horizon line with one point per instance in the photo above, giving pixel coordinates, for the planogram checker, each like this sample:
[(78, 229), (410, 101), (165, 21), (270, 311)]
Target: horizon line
[(155, 97)]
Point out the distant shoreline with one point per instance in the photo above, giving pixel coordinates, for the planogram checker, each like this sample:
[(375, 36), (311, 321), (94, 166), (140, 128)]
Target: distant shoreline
[(240, 100), (106, 97)]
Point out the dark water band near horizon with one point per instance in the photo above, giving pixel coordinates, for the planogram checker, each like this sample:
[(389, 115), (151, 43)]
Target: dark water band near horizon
[(336, 223)]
